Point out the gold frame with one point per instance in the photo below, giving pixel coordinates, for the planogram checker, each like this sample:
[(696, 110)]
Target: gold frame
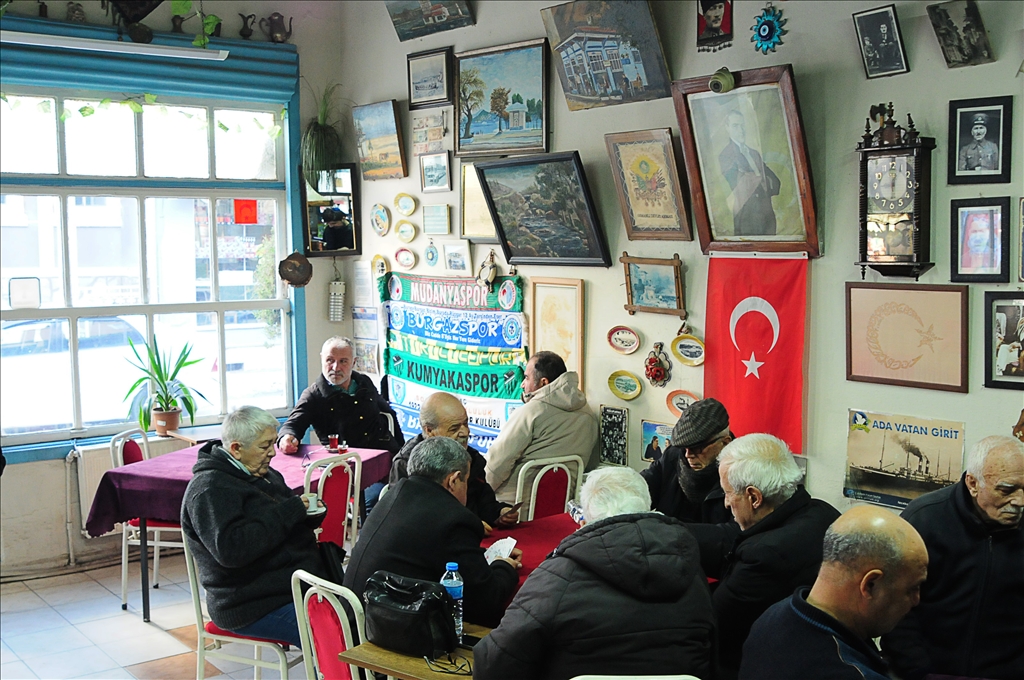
[(576, 284)]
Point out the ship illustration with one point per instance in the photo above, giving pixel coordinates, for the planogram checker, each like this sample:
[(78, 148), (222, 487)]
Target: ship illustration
[(900, 474)]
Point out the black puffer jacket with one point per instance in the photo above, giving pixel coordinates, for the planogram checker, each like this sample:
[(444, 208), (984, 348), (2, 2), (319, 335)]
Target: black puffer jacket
[(622, 596)]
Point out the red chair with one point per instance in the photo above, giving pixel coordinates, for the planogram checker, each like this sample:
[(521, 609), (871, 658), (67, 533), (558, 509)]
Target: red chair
[(338, 488), (552, 487), (330, 621)]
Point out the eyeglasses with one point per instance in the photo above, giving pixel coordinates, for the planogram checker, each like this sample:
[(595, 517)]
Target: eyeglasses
[(452, 666), (697, 449)]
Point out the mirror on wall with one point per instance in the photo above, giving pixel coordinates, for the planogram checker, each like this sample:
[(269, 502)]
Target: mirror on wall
[(332, 214)]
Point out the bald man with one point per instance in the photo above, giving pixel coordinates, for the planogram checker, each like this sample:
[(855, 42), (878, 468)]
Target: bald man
[(873, 565), (443, 415)]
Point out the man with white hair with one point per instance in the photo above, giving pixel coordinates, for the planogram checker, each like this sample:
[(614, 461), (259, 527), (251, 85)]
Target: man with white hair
[(969, 622), (779, 545), (624, 595)]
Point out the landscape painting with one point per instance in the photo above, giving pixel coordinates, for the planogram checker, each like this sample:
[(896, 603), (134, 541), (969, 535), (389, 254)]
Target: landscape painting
[(379, 140), (501, 100), (417, 19)]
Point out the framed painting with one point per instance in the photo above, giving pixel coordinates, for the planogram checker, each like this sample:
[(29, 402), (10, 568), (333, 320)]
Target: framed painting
[(1004, 339), (606, 53), (501, 100), (542, 210), (332, 222), (746, 163), (979, 240), (476, 225), (654, 285), (614, 435), (413, 19), (881, 42), (647, 182), (435, 174), (431, 81), (379, 140), (556, 320), (980, 131), (961, 33), (909, 335), (714, 25)]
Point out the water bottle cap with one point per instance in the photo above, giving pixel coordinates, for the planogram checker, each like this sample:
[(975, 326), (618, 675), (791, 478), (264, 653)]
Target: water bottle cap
[(452, 566)]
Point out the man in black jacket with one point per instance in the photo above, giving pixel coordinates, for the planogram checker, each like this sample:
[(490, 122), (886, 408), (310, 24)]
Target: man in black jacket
[(970, 619), (422, 523)]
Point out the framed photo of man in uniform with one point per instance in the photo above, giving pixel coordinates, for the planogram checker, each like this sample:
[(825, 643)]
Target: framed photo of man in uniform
[(979, 140)]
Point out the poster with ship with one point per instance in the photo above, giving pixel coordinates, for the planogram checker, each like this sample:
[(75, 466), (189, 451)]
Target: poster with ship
[(892, 459)]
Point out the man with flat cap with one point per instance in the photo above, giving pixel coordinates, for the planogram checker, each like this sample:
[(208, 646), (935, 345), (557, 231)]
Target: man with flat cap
[(979, 153)]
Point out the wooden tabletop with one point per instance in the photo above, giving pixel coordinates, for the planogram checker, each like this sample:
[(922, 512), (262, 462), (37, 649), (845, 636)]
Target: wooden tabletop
[(369, 655), (196, 435)]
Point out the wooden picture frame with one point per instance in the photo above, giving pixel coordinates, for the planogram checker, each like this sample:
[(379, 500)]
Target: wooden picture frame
[(1004, 338), (662, 291), (435, 172), (979, 250), (765, 99), (556, 319), (881, 42), (430, 76), (647, 182), (340, 191), (475, 223), (970, 160), (907, 335)]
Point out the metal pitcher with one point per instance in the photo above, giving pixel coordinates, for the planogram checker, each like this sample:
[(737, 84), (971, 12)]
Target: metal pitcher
[(273, 27)]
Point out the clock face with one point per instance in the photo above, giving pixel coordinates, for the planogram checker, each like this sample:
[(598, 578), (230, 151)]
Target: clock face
[(891, 184)]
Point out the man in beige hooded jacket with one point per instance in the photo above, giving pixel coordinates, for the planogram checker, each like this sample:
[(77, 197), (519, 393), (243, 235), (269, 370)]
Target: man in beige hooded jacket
[(554, 422)]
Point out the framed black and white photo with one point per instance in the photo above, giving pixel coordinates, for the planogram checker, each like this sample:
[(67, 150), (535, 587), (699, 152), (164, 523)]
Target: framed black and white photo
[(881, 42), (1004, 339), (435, 174), (961, 33), (980, 240), (979, 140), (430, 78), (614, 435)]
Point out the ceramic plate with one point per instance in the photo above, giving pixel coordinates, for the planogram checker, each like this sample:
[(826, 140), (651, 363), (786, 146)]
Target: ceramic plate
[(405, 204), (380, 219), (380, 266), (677, 400), (624, 339), (688, 349), (405, 258), (625, 385), (406, 231)]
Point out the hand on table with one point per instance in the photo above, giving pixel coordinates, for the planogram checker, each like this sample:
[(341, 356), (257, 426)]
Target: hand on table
[(487, 528), (515, 558), (288, 444), (507, 520)]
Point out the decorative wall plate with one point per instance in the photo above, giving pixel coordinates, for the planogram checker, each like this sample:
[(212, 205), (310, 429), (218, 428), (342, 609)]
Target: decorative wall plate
[(380, 266), (430, 254), (624, 339), (689, 349), (677, 400), (405, 258), (405, 204), (625, 385), (380, 219), (406, 231)]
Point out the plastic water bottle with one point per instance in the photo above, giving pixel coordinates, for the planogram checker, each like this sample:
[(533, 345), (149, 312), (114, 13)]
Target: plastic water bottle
[(452, 582)]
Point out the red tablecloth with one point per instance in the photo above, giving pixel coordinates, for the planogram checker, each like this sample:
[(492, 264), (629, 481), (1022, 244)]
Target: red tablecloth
[(536, 539), (154, 488)]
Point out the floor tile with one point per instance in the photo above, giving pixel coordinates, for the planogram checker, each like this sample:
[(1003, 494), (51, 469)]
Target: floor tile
[(91, 610), (47, 642), (110, 674), (120, 627), (186, 635), (165, 595), (174, 616), (20, 601), (71, 663), (72, 592), (179, 667), (13, 587), (23, 623), (143, 648), (51, 581), (16, 671), (6, 655)]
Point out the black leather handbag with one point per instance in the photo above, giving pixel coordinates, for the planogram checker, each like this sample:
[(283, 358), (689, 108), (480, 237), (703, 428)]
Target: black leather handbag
[(409, 616)]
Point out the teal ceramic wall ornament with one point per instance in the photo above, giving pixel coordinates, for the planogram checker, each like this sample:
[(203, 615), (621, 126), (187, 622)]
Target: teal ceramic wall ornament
[(768, 29)]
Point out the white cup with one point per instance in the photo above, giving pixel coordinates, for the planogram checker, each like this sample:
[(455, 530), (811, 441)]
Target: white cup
[(311, 499)]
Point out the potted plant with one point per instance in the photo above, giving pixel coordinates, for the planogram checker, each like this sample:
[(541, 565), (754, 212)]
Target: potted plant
[(163, 404), (321, 143)]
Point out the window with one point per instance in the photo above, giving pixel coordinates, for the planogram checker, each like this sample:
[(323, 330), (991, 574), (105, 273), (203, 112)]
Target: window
[(139, 219)]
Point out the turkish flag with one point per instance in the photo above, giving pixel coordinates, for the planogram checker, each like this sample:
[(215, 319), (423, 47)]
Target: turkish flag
[(755, 344)]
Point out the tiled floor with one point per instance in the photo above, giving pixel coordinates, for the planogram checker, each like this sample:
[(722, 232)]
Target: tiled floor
[(73, 627)]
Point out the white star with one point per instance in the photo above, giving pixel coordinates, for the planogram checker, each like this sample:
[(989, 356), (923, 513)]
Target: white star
[(752, 365)]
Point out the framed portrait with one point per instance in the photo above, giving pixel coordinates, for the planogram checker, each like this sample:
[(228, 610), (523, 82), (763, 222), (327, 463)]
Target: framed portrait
[(476, 225), (458, 258), (606, 53), (909, 335), (979, 240), (437, 219), (556, 320), (881, 42), (542, 210), (647, 182), (961, 33), (614, 435), (430, 78), (746, 163), (654, 439), (379, 140), (1004, 339), (979, 140), (501, 100), (654, 285), (413, 19), (435, 174), (714, 25), (332, 222)]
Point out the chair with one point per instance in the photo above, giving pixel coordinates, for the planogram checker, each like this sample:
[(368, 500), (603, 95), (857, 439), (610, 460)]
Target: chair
[(338, 488), (552, 487), (210, 637), (124, 450), (383, 490), (326, 613)]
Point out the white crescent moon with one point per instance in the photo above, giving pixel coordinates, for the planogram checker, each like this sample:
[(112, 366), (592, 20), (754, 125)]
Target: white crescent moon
[(754, 304)]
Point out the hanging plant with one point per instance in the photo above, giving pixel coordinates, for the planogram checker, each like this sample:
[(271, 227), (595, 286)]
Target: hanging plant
[(321, 143), (210, 21)]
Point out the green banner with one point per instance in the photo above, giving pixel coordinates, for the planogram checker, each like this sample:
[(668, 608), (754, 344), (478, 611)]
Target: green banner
[(494, 382), (506, 293), (457, 355)]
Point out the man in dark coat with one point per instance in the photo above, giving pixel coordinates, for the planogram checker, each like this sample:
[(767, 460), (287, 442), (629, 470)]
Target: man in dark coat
[(752, 182), (622, 596), (422, 523), (970, 619), (248, 531)]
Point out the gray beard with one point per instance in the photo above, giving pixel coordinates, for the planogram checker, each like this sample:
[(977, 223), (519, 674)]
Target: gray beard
[(697, 483)]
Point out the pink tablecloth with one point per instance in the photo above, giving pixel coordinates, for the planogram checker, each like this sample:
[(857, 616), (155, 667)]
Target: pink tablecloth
[(536, 539), (154, 488)]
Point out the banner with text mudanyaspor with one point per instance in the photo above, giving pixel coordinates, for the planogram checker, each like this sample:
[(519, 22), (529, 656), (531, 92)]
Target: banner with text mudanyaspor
[(505, 294)]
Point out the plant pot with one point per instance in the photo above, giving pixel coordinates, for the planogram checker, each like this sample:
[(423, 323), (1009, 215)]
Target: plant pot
[(166, 420)]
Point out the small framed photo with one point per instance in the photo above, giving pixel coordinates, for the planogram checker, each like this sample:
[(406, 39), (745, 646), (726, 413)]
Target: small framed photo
[(430, 78), (457, 258), (614, 435), (475, 224), (436, 219), (961, 33), (1004, 339), (654, 439), (980, 240), (435, 174), (654, 285), (881, 42), (979, 140), (556, 320)]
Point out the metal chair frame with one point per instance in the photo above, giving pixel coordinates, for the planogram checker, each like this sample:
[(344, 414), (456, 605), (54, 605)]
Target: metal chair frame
[(354, 464), (546, 465), (333, 593)]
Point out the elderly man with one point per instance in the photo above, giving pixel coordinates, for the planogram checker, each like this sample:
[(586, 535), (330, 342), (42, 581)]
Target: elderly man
[(969, 622), (554, 422), (622, 596), (443, 415), (422, 523), (979, 153), (247, 531), (872, 568)]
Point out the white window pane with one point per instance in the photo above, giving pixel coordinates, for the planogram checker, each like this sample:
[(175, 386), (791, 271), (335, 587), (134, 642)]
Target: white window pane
[(246, 249), (103, 235), (178, 249), (172, 332), (174, 141), (105, 374), (30, 245), (99, 139), (35, 376), (246, 144), (28, 135), (255, 359)]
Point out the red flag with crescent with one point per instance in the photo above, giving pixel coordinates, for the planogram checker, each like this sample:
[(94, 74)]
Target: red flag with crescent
[(757, 310)]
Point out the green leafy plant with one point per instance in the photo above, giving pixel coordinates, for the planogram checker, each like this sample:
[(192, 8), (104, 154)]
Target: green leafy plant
[(168, 392), (321, 143), (210, 21)]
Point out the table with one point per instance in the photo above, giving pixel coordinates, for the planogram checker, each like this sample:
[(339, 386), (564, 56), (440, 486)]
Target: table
[(154, 489), (370, 656), (196, 435), (536, 539)]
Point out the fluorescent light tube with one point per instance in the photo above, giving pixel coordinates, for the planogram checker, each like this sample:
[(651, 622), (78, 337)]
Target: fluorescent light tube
[(91, 45)]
